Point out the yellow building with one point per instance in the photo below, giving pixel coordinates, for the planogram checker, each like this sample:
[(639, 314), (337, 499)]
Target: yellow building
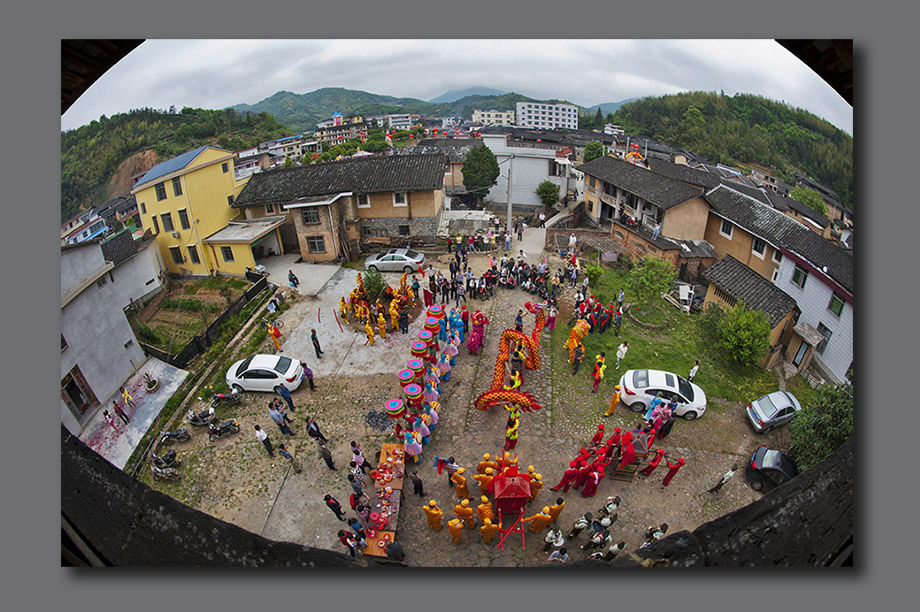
[(187, 203)]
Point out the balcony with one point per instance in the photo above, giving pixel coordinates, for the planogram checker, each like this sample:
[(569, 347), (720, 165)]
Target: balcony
[(606, 198)]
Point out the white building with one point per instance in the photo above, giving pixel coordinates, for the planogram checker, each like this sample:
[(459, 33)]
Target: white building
[(614, 130), (529, 164), (546, 116), (493, 117)]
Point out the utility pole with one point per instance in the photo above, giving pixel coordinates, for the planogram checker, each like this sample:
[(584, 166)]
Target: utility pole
[(510, 163)]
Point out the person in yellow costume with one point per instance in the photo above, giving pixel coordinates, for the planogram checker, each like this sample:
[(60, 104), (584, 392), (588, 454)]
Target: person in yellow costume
[(488, 531), (459, 481), (484, 510), (614, 401), (455, 528), (411, 294), (485, 480), (465, 513), (578, 332), (485, 464), (536, 483), (343, 309), (514, 382), (539, 522), (433, 514), (556, 508), (369, 331), (382, 325), (394, 314), (509, 461)]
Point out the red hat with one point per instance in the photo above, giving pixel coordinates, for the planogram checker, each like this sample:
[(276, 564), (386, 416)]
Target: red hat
[(616, 429), (600, 426), (573, 464)]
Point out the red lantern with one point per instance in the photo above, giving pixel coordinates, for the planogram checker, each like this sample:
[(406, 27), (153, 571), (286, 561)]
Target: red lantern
[(410, 136)]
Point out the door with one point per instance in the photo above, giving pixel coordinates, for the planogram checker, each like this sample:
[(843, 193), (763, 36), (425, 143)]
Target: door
[(800, 354)]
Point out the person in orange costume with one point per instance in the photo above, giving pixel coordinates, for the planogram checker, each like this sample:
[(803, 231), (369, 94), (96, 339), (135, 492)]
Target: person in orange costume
[(369, 331), (484, 510), (484, 480), (486, 463), (459, 481), (488, 530), (556, 508), (614, 401), (382, 325), (509, 460), (433, 514), (465, 513), (536, 483), (455, 528), (539, 522)]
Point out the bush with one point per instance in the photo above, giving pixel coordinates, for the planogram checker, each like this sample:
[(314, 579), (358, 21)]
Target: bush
[(744, 334), (594, 274), (374, 284), (146, 334), (709, 320), (649, 278), (821, 427)]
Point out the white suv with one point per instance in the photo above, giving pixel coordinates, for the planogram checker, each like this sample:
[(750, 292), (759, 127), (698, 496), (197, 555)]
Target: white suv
[(638, 387)]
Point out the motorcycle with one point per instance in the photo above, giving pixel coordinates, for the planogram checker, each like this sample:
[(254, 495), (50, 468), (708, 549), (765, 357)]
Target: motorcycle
[(165, 473), (168, 460), (226, 398), (225, 428), (205, 417), (179, 435)]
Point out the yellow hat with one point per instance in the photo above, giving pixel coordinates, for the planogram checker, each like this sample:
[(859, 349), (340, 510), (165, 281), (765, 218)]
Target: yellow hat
[(507, 455), (617, 387), (530, 468), (432, 503), (487, 521), (486, 456), (538, 477), (465, 503), (484, 499), (489, 471), (461, 470), (545, 509)]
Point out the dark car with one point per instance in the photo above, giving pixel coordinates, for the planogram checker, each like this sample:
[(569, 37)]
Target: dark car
[(769, 468)]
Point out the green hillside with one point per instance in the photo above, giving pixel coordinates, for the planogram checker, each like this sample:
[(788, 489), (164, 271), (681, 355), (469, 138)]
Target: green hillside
[(91, 153)]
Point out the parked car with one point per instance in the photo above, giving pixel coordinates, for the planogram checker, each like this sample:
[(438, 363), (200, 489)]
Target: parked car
[(772, 410), (396, 260), (638, 387), (769, 468), (265, 373)]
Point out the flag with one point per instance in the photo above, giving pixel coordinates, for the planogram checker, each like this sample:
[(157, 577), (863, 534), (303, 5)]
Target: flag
[(491, 261), (440, 463), (543, 261)]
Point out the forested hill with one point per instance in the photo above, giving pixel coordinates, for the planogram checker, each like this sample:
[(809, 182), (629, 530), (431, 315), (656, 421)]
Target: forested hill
[(747, 129), (91, 153)]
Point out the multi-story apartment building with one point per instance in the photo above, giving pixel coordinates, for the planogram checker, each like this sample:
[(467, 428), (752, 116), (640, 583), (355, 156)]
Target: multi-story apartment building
[(493, 117), (548, 116)]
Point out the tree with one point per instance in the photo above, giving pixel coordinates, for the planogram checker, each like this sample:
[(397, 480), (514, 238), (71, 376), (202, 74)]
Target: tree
[(744, 334), (823, 425), (810, 198), (287, 162), (548, 192), (598, 119), (593, 151), (649, 278), (480, 171)]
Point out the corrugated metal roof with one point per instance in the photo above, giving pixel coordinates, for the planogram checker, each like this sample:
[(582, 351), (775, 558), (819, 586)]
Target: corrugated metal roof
[(170, 165)]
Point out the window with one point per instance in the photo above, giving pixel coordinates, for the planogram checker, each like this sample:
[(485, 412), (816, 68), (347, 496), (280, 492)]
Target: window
[(63, 343), (161, 191), (775, 274), (759, 247), (177, 186), (310, 216), (156, 227), (316, 244), (225, 167), (230, 200), (399, 198), (836, 305), (777, 256), (825, 331), (128, 344), (591, 182), (403, 230), (799, 276), (101, 282), (727, 228), (193, 254), (143, 208), (176, 253), (227, 253), (167, 222), (364, 200), (183, 219), (269, 209)]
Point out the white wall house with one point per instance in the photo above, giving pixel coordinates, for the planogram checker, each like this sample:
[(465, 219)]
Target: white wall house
[(546, 116), (825, 305), (529, 165)]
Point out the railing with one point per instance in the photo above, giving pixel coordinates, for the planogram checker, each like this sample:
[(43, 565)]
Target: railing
[(607, 198)]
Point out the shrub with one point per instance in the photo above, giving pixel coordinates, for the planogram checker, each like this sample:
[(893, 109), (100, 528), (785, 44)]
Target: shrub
[(710, 318), (594, 274), (821, 427), (374, 284), (744, 334), (649, 278), (146, 334)]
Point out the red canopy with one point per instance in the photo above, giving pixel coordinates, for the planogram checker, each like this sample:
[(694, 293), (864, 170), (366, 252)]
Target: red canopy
[(511, 493)]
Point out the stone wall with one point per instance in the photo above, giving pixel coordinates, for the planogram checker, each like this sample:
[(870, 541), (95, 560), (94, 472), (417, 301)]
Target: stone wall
[(426, 227)]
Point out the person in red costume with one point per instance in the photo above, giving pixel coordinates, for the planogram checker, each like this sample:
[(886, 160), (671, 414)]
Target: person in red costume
[(567, 477), (673, 470), (583, 472), (651, 438), (594, 478), (614, 440), (629, 453), (599, 436), (653, 463)]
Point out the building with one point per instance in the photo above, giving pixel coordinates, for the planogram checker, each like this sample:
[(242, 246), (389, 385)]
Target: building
[(528, 164), (456, 150), (835, 208), (139, 267), (98, 348), (289, 147), (546, 116), (614, 130), (493, 117), (338, 134), (337, 204)]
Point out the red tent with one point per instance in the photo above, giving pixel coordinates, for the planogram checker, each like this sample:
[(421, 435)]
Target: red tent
[(511, 495)]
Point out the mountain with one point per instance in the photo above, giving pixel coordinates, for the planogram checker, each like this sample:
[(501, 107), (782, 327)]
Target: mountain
[(609, 107), (455, 94)]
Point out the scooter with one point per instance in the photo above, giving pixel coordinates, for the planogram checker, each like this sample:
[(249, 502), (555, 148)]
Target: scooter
[(179, 435), (225, 428), (168, 460), (205, 417), (226, 398), (165, 473)]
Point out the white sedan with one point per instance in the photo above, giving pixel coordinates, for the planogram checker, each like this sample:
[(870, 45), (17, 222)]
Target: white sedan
[(265, 373), (638, 387)]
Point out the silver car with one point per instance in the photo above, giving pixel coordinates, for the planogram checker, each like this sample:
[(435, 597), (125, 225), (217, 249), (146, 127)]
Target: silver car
[(396, 260), (772, 410)]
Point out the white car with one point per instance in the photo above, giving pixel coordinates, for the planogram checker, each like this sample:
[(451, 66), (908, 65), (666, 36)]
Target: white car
[(638, 387), (265, 373)]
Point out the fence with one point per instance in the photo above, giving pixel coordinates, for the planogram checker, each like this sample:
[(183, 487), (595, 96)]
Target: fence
[(202, 342)]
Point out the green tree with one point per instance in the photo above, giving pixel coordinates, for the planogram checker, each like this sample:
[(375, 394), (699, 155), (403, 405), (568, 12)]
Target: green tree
[(649, 278), (822, 426), (548, 192), (374, 284), (480, 171), (810, 198), (287, 162), (744, 334), (593, 151), (598, 119)]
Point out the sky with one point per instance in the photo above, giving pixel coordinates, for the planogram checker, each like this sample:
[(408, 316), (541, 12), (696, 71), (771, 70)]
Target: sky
[(220, 73)]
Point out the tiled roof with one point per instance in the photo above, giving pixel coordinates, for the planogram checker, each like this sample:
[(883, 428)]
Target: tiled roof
[(685, 174), (659, 190), (455, 152), (170, 165), (742, 283), (119, 247), (752, 192), (778, 229), (360, 175), (779, 202)]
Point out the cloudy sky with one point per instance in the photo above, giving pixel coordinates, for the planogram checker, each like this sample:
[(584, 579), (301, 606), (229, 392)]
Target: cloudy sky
[(220, 73)]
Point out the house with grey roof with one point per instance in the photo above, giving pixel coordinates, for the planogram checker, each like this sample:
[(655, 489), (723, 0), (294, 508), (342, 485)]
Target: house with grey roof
[(456, 151)]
